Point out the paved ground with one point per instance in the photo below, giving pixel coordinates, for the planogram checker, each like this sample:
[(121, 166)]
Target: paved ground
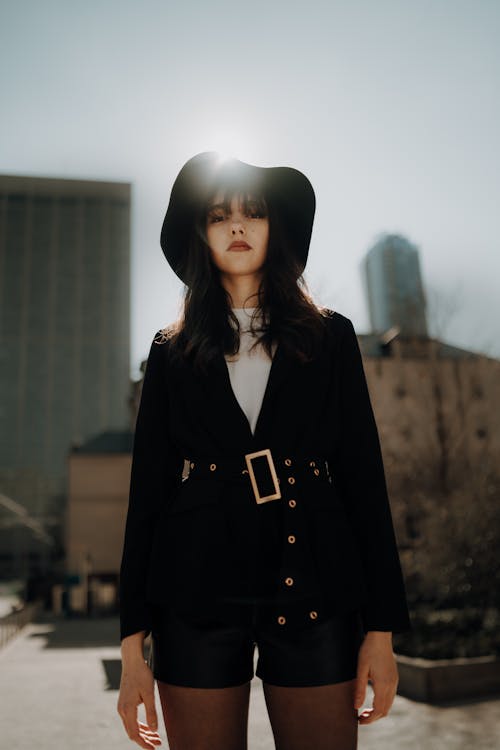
[(58, 688)]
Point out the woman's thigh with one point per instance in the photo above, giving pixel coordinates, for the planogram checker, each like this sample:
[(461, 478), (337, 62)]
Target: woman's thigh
[(322, 717), (205, 718)]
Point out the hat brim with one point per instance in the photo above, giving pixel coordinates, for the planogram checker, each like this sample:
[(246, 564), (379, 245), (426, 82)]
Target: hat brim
[(289, 191)]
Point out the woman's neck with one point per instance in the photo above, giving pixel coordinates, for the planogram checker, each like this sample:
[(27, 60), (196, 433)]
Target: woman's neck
[(242, 290)]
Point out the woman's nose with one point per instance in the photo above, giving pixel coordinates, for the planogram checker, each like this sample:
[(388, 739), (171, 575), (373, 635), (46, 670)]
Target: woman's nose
[(237, 225)]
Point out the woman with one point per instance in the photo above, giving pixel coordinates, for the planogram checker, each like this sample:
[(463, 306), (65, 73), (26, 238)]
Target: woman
[(281, 536)]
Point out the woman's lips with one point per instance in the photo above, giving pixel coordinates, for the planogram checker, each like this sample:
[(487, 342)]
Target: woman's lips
[(239, 246)]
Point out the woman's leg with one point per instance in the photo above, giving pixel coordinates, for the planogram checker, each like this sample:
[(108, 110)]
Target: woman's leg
[(323, 717), (205, 718)]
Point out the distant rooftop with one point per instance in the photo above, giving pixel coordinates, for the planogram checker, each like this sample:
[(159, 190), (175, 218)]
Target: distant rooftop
[(117, 441), (50, 186), (412, 347)]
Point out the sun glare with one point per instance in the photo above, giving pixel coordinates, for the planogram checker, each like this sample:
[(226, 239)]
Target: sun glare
[(229, 143)]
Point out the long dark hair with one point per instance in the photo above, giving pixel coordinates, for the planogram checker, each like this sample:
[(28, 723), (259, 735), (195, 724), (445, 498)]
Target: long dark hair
[(207, 325)]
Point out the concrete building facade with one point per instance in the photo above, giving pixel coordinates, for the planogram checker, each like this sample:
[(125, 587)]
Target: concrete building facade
[(438, 415), (65, 322), (98, 483)]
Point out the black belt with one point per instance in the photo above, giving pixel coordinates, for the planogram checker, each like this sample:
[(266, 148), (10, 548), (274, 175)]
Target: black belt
[(262, 468)]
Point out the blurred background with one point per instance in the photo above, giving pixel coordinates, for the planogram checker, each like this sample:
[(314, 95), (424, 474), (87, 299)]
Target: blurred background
[(392, 109)]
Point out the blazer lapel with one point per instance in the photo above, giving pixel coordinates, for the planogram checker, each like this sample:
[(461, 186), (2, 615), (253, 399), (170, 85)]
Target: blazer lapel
[(225, 408), (281, 368)]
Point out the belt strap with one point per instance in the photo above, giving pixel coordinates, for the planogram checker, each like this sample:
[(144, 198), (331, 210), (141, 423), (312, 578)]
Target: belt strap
[(262, 468)]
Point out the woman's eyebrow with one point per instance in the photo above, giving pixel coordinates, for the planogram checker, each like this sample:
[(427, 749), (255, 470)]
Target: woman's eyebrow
[(216, 205), (224, 205)]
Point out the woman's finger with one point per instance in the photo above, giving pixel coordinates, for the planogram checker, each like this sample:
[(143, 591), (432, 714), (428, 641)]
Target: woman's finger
[(149, 734), (382, 702), (361, 681), (384, 697), (149, 705), (131, 724)]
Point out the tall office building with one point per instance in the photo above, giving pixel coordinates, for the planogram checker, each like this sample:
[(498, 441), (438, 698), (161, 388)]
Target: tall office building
[(64, 327), (394, 286)]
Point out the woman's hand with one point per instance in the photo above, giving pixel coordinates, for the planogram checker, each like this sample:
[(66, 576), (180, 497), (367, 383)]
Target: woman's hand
[(376, 662), (136, 687)]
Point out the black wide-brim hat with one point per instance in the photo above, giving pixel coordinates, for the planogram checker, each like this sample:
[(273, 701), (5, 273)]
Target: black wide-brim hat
[(286, 189)]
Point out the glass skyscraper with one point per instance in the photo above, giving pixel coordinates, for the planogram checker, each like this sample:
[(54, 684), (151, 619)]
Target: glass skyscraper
[(394, 287)]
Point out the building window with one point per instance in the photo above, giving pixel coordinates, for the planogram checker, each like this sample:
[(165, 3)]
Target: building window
[(477, 390)]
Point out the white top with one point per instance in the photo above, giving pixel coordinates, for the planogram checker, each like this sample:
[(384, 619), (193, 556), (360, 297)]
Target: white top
[(248, 371)]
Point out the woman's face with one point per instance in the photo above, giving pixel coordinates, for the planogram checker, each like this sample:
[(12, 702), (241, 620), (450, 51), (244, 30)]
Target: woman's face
[(237, 234)]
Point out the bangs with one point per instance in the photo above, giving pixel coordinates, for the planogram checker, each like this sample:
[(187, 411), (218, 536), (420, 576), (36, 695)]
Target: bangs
[(247, 200), (249, 196)]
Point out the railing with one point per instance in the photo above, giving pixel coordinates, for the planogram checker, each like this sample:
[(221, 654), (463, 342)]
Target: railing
[(11, 624)]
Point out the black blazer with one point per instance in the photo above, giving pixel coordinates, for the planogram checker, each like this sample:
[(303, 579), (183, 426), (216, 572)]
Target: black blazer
[(189, 542)]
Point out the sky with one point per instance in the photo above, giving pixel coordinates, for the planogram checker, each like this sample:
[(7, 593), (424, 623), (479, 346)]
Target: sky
[(390, 107)]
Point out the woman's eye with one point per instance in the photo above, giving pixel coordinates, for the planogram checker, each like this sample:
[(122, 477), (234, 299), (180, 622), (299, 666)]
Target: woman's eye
[(255, 213), (214, 218)]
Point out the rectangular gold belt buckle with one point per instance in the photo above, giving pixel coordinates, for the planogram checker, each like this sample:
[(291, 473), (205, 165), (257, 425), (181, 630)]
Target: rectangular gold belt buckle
[(258, 498)]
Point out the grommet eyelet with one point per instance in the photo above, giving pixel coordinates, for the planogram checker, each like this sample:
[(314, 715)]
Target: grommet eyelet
[(281, 620), (291, 539), (291, 480), (191, 465), (245, 471), (292, 503), (213, 467), (313, 615), (289, 581), (312, 463), (288, 461), (316, 471)]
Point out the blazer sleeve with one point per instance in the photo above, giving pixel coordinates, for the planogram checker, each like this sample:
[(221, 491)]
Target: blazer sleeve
[(358, 473), (156, 469)]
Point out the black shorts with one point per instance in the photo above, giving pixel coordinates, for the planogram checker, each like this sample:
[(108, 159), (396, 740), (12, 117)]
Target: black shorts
[(221, 654)]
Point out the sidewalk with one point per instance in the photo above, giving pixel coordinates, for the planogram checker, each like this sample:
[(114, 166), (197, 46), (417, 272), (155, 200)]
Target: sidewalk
[(59, 680)]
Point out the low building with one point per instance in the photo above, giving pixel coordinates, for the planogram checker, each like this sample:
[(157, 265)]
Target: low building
[(99, 475)]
